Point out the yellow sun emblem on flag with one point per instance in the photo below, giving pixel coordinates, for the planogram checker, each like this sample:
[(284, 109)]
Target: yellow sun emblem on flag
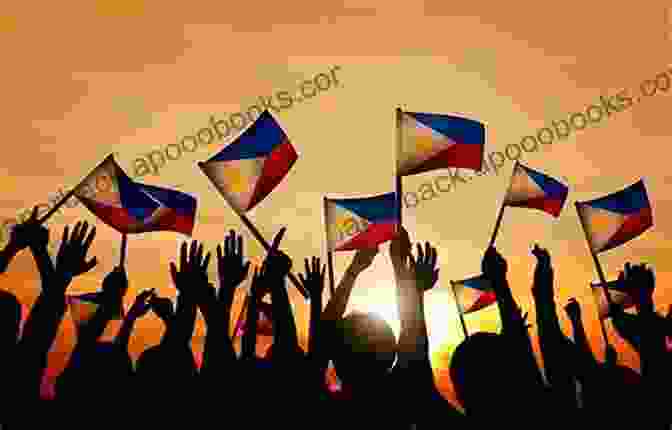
[(236, 180)]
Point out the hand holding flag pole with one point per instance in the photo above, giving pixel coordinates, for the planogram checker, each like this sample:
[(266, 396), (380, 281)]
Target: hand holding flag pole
[(600, 273)]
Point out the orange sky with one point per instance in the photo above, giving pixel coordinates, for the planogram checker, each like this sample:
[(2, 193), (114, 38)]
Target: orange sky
[(85, 79)]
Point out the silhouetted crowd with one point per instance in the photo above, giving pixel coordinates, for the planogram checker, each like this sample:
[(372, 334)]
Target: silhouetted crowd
[(385, 383)]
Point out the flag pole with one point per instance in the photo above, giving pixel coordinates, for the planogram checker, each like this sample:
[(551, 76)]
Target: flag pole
[(261, 240), (600, 273), (330, 254), (497, 224), (267, 247), (66, 197), (397, 175), (500, 215), (124, 241), (459, 311)]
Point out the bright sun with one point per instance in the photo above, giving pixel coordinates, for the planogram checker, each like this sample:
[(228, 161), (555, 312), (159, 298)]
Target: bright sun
[(442, 325)]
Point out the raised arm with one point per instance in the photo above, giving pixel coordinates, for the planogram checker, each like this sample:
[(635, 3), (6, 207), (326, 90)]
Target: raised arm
[(514, 326), (555, 347), (47, 313), (337, 304), (20, 238), (115, 286), (139, 309)]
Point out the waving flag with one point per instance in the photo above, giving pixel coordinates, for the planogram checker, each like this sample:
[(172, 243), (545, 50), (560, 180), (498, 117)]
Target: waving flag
[(473, 294), (83, 307), (535, 190), (617, 218), (432, 141), (247, 170), (264, 322), (360, 223), (619, 296), (130, 207)]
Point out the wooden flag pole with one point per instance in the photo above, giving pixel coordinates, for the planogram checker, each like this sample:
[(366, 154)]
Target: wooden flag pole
[(497, 224), (267, 247), (400, 194), (459, 311), (124, 242), (330, 254), (600, 273), (500, 215), (56, 207)]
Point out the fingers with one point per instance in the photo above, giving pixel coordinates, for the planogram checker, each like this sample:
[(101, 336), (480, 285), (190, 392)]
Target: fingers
[(276, 240), (204, 266), (183, 255), (193, 249), (33, 216), (302, 279), (173, 272), (90, 264), (305, 260), (240, 246), (89, 239)]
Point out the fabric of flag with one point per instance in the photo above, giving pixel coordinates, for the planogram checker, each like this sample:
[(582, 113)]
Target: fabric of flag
[(474, 294), (433, 141), (248, 169), (264, 321), (131, 207), (360, 223), (83, 307), (535, 190), (615, 219), (618, 295)]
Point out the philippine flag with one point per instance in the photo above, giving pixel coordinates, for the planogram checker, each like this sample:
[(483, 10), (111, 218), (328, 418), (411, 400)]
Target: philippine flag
[(360, 223), (535, 190), (617, 218), (473, 294), (431, 141), (83, 307), (618, 294), (131, 207), (247, 170)]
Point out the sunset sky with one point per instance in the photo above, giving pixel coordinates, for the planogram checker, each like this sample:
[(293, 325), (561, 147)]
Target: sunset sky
[(82, 80)]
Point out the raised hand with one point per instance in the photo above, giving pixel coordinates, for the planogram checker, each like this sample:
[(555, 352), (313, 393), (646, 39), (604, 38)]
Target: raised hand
[(142, 304), (163, 308), (231, 266), (362, 260), (400, 247), (493, 265), (573, 310), (278, 264), (193, 272), (640, 280), (71, 259), (543, 274), (115, 284), (29, 233), (543, 257), (313, 282), (424, 267)]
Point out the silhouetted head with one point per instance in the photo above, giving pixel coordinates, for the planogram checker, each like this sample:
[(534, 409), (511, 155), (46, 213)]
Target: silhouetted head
[(10, 319), (364, 349), (103, 373), (489, 377), (161, 368)]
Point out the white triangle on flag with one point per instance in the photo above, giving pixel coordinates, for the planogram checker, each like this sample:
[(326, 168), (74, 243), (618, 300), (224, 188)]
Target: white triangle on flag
[(235, 179), (342, 225), (419, 143), (600, 225), (522, 187)]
